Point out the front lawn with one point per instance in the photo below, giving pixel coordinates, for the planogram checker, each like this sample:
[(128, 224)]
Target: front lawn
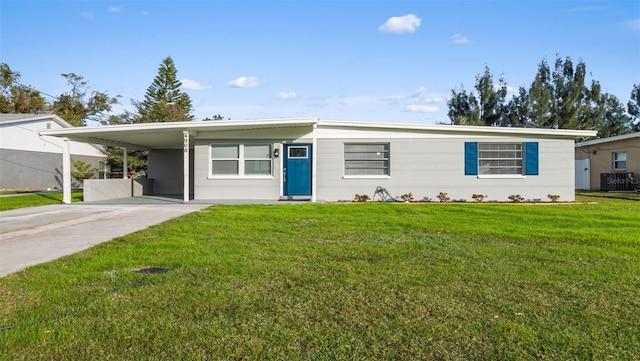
[(35, 199), (371, 281)]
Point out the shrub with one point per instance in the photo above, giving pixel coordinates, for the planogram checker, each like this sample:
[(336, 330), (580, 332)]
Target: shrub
[(407, 197), (443, 197), (516, 198), (360, 198), (478, 197), (553, 197)]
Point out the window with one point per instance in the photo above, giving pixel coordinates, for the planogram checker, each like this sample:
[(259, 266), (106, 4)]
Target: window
[(241, 160), (500, 158), (298, 152), (368, 159), (619, 160)]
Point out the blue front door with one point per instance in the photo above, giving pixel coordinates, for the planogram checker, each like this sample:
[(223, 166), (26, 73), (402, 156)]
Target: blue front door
[(297, 170)]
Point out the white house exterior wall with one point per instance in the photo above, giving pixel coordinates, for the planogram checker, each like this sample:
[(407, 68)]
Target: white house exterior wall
[(427, 166), (206, 187), (24, 136)]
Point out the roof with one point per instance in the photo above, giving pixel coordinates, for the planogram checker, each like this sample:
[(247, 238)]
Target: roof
[(170, 135), (13, 118), (609, 139)]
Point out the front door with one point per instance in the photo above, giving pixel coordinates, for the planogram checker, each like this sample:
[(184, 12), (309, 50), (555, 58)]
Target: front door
[(297, 170)]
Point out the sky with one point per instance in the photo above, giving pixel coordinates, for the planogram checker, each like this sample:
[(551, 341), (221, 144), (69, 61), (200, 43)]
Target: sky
[(356, 60)]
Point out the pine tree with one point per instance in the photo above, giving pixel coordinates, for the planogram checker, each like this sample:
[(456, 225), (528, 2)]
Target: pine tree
[(164, 102)]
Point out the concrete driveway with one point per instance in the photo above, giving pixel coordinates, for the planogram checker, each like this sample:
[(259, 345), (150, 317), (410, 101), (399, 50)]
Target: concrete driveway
[(40, 234)]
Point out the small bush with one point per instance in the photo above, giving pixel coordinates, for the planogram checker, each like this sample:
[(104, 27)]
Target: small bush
[(407, 197), (444, 197), (478, 197), (553, 197), (360, 198), (516, 198)]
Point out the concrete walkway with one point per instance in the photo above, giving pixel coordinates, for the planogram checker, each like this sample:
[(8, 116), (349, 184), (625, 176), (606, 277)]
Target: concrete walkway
[(29, 236)]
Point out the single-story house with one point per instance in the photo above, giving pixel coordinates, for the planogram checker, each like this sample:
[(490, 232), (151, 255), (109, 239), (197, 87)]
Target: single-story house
[(324, 160), (29, 160), (609, 164)]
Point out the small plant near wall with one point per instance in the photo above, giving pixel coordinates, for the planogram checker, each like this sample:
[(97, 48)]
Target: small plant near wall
[(407, 197), (443, 197), (478, 197), (516, 198), (553, 197), (360, 198)]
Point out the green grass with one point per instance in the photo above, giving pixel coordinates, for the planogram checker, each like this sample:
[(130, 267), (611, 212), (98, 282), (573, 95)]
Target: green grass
[(37, 199), (343, 281)]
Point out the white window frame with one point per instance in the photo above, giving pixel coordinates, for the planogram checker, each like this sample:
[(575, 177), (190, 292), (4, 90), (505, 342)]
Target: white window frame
[(616, 161), (387, 159), (241, 162), (503, 157)]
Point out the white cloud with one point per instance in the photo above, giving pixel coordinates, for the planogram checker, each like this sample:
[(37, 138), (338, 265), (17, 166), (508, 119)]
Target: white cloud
[(459, 39), (401, 24), (86, 14), (286, 95), (194, 84), (633, 24), (414, 108), (113, 9), (244, 82)]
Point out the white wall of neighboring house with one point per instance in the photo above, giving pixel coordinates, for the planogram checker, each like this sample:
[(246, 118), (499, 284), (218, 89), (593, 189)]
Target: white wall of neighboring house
[(31, 161)]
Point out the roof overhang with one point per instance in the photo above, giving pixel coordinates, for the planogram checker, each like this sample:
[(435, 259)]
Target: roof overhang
[(465, 129), (609, 139), (166, 135), (170, 135)]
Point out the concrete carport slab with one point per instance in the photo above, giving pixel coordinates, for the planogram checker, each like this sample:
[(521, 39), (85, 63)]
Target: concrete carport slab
[(40, 234)]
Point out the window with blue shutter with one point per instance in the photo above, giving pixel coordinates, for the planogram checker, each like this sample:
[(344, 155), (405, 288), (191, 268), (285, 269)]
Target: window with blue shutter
[(501, 158)]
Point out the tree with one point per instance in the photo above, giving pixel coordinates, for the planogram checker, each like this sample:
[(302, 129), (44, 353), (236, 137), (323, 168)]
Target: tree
[(569, 90), (593, 107), (83, 170), (487, 108), (164, 101), (136, 160), (614, 121), (517, 110), (633, 107), (539, 102), (491, 98), (15, 97), (463, 108), (76, 108)]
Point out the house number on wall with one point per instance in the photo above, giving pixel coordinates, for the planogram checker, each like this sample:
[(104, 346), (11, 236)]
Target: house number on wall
[(185, 135)]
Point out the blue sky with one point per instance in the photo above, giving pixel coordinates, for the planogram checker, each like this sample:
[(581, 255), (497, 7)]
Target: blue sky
[(389, 61)]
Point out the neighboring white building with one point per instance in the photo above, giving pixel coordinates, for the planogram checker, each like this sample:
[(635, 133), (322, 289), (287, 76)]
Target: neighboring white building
[(31, 161), (308, 158)]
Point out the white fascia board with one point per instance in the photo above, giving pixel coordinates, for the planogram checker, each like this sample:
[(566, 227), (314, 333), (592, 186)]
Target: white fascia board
[(563, 133), (610, 139), (186, 126)]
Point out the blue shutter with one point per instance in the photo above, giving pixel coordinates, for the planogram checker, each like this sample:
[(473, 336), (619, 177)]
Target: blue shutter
[(470, 158), (531, 158)]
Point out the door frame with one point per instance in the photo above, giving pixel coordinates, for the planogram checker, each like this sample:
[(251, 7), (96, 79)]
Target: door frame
[(284, 163)]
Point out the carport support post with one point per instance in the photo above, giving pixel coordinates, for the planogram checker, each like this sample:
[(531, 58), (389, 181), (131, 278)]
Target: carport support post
[(185, 166), (66, 171), (125, 163)]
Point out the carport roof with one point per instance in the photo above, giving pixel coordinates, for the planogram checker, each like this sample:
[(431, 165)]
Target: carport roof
[(169, 135)]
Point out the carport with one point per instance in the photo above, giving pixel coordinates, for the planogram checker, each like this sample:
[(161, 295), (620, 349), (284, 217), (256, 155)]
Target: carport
[(170, 136)]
